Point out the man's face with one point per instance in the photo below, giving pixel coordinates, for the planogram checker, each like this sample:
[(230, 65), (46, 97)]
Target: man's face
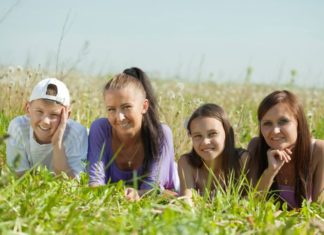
[(45, 116)]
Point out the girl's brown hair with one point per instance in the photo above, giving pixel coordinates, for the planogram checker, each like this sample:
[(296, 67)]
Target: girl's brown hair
[(302, 149), (230, 155)]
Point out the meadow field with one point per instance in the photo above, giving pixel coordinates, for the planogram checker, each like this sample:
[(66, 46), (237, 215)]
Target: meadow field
[(44, 204)]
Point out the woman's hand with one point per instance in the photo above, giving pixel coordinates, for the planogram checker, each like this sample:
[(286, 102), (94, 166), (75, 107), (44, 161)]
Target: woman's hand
[(131, 194), (277, 158)]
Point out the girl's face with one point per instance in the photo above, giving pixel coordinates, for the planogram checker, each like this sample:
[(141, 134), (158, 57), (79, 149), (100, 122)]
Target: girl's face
[(125, 108), (279, 127), (208, 138)]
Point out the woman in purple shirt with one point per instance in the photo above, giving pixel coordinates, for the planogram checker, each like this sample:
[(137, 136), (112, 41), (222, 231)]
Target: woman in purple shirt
[(285, 158), (131, 143)]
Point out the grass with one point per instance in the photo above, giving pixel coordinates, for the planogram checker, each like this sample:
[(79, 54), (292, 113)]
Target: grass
[(41, 203)]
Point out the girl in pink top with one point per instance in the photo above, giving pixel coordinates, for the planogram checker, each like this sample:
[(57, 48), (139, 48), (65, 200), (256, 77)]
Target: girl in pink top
[(213, 157), (285, 158)]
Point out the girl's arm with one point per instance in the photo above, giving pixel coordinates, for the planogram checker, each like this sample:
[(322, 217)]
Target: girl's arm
[(318, 180), (186, 176), (244, 162)]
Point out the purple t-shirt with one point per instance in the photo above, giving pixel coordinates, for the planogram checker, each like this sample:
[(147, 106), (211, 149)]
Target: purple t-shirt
[(287, 193), (102, 169)]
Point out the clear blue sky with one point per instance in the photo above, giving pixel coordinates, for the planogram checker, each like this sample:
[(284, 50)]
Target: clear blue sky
[(188, 38)]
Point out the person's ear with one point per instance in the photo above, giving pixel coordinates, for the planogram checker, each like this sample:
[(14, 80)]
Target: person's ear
[(146, 106), (27, 108), (68, 111), (189, 134)]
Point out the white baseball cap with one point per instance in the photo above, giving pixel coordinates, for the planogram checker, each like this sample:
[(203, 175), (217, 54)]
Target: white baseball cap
[(41, 91)]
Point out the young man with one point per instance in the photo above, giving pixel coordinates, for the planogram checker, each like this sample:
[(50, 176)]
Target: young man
[(45, 136)]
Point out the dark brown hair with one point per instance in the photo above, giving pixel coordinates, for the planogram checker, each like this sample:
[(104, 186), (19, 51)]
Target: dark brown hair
[(151, 132), (230, 155), (302, 149)]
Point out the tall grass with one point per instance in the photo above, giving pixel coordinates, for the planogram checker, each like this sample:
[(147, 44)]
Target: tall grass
[(41, 203)]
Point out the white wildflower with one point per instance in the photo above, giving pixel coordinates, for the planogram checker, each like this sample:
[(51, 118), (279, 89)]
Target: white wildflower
[(10, 69), (19, 69), (171, 95), (180, 86)]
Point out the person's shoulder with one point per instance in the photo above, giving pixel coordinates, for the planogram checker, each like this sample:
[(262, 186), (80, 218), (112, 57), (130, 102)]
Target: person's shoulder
[(241, 152), (254, 141), (20, 120), (318, 152), (184, 161), (19, 123), (167, 131), (75, 126), (319, 146), (100, 123), (319, 143), (166, 128), (74, 123), (253, 144), (243, 156)]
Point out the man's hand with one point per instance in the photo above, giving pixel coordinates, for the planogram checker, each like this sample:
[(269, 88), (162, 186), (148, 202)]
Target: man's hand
[(57, 138)]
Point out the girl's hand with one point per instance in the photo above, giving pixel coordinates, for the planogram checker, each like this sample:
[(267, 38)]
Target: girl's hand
[(277, 158), (131, 194)]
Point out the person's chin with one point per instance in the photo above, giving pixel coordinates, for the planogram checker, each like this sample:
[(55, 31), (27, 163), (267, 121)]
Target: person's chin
[(43, 139), (280, 146), (208, 157), (126, 132)]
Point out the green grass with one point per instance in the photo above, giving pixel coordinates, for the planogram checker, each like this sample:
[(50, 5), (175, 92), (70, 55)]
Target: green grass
[(41, 203)]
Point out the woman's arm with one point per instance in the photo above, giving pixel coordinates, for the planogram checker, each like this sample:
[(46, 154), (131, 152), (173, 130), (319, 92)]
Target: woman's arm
[(318, 180), (163, 172), (97, 157), (276, 159)]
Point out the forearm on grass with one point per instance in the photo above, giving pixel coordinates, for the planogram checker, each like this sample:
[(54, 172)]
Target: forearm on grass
[(59, 161), (265, 181)]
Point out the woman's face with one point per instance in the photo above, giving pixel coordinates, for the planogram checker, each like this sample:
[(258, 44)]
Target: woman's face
[(279, 127), (208, 138), (125, 108)]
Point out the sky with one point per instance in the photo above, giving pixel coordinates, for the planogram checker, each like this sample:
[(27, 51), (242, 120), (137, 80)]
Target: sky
[(185, 39)]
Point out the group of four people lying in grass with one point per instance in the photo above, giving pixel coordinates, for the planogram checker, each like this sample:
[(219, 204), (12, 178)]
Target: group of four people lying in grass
[(132, 144)]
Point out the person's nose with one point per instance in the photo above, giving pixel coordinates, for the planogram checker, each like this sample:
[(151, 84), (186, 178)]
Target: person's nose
[(46, 119), (276, 129), (206, 140), (120, 116)]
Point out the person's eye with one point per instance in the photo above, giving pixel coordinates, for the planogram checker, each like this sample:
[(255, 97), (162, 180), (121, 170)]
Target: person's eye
[(55, 115), (266, 124), (196, 137), (283, 121), (127, 107), (110, 110), (213, 134), (39, 111)]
